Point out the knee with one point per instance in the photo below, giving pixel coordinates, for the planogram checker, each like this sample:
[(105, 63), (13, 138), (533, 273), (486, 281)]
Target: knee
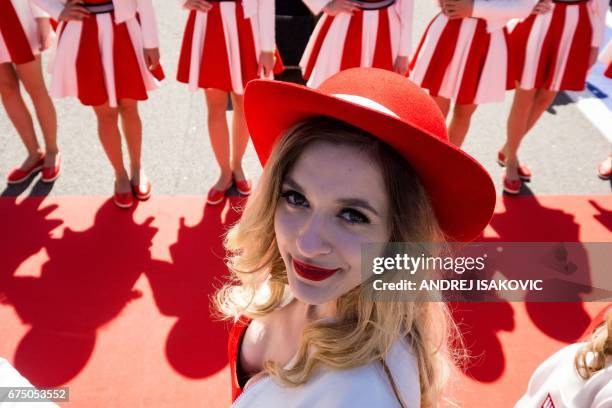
[(542, 102), (9, 87), (107, 116), (38, 93), (128, 110)]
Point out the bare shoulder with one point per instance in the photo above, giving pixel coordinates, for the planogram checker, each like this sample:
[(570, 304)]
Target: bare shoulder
[(271, 337)]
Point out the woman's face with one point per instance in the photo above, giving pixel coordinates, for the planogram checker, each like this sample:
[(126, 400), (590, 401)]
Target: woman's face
[(332, 201)]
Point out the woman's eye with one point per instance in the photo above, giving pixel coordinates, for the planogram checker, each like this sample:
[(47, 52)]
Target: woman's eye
[(294, 198), (354, 216)]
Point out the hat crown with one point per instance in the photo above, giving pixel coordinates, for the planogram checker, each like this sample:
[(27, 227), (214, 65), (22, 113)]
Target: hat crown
[(389, 93)]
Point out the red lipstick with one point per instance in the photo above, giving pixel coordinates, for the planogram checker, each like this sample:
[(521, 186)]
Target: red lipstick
[(311, 272)]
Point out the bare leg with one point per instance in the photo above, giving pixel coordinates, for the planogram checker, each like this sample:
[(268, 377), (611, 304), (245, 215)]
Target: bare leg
[(240, 137), (443, 104), (219, 134), (543, 99), (110, 137), (132, 131), (462, 115), (32, 78), (517, 128), (18, 113)]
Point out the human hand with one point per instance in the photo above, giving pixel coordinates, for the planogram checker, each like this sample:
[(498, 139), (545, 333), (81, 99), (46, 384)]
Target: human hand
[(45, 33), (266, 62), (593, 56), (336, 7), (198, 5), (74, 11), (151, 56), (457, 8), (401, 65), (543, 7)]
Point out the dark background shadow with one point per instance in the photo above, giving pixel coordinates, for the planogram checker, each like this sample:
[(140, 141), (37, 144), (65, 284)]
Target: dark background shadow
[(197, 344), (88, 279)]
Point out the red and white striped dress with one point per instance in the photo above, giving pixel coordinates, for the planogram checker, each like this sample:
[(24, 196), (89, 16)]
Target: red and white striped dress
[(19, 39), (552, 50), (221, 47), (367, 38), (606, 58), (100, 59), (467, 59)]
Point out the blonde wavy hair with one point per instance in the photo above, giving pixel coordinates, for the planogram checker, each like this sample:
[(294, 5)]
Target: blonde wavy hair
[(364, 330), (592, 357)]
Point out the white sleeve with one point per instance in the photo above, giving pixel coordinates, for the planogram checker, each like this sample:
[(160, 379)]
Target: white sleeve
[(266, 17), (597, 12), (53, 7), (148, 24), (316, 6), (37, 12), (502, 9), (406, 15)]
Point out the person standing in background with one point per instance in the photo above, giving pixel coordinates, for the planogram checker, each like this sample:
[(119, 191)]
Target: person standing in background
[(351, 33), (107, 55), (463, 56), (551, 52), (25, 31), (225, 45)]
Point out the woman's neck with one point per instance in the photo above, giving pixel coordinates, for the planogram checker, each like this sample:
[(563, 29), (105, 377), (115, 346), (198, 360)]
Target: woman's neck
[(309, 313)]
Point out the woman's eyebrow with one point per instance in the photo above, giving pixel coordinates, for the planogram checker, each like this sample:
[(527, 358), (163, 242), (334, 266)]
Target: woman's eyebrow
[(292, 183), (347, 202), (358, 202)]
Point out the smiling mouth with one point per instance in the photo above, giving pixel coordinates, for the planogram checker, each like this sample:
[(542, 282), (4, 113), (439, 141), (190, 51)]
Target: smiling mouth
[(312, 272)]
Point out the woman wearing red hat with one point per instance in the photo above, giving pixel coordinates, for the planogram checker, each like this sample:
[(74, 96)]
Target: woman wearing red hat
[(552, 52), (358, 33), (463, 56), (226, 44), (107, 55), (25, 32), (346, 164)]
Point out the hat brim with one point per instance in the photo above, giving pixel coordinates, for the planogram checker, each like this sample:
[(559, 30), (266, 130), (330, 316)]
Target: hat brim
[(460, 189)]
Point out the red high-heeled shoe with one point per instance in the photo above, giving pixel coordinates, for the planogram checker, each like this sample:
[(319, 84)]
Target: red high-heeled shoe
[(217, 196), (50, 174), (523, 171), (243, 186), (123, 200), (142, 192), (512, 186), (18, 175)]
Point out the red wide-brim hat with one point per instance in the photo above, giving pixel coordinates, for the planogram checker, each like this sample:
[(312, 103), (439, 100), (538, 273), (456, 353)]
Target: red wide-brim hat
[(396, 111)]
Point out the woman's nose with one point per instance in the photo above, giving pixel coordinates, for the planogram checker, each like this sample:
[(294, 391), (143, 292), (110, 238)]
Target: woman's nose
[(311, 238)]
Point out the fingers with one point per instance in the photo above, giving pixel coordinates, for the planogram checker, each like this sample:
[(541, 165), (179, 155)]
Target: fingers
[(199, 5), (74, 11)]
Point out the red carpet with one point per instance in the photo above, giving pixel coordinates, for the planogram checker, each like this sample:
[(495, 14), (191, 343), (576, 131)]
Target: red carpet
[(116, 306)]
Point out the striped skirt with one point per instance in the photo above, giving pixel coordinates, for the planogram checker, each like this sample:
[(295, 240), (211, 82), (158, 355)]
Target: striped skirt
[(101, 62), (364, 39), (458, 59), (551, 51), (19, 41), (220, 50)]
